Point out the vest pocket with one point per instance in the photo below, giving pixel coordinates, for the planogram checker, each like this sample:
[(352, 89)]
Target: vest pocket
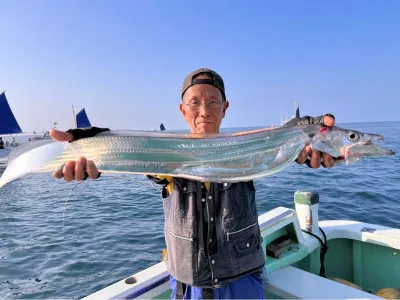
[(245, 248), (247, 245), (240, 233)]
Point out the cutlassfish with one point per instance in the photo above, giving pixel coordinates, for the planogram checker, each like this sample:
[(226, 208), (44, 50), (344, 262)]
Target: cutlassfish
[(225, 157)]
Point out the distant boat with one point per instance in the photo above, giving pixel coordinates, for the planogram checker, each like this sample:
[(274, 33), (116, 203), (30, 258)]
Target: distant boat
[(8, 123), (8, 126), (162, 128), (296, 115), (44, 136), (81, 119)]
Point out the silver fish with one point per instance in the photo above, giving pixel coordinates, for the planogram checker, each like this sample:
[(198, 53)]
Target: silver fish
[(226, 157)]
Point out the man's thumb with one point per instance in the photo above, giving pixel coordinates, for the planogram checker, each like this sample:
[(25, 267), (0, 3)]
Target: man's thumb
[(61, 136)]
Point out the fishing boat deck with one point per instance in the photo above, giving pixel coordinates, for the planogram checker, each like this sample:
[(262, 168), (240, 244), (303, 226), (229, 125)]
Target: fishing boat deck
[(294, 283), (293, 274)]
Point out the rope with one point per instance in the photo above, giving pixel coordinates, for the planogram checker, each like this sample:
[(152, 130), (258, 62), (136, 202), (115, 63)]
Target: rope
[(324, 249), (66, 202)]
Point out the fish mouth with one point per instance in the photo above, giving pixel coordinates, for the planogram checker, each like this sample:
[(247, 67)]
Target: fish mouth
[(375, 138), (369, 148)]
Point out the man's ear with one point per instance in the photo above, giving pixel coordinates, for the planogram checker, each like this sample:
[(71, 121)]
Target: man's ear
[(182, 108), (226, 105)]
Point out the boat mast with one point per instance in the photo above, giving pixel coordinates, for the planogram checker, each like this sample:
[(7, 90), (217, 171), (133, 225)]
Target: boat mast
[(74, 116)]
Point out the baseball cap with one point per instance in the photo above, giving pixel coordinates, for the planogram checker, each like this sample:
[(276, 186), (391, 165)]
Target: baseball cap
[(215, 80)]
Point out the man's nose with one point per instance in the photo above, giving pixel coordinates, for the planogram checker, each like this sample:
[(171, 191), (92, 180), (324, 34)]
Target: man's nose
[(204, 110)]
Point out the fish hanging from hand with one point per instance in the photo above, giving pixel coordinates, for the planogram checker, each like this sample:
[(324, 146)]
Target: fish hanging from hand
[(225, 157)]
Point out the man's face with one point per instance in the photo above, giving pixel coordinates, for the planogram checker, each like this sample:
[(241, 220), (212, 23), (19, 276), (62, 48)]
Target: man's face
[(203, 109)]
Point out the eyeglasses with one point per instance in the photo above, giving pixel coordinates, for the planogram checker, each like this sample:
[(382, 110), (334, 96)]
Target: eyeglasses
[(195, 105)]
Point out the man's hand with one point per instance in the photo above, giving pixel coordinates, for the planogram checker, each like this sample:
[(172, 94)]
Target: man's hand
[(313, 158), (80, 169)]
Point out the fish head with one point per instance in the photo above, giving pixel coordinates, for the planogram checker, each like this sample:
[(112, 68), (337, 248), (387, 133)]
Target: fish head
[(349, 145)]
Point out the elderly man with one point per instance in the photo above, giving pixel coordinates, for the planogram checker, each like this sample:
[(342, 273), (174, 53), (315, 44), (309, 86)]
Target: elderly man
[(211, 230)]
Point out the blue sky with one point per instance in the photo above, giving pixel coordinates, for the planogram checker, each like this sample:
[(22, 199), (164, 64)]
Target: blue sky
[(124, 61)]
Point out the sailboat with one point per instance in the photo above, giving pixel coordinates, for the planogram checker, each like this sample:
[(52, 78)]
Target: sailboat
[(162, 128), (296, 115), (81, 119), (8, 126), (8, 123)]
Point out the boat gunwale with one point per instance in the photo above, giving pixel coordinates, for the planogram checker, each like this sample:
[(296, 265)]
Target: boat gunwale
[(334, 229)]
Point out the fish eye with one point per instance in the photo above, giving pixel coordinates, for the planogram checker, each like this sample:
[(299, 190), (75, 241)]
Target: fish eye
[(353, 136)]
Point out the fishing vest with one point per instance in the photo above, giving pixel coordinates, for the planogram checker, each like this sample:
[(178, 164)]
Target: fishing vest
[(212, 235)]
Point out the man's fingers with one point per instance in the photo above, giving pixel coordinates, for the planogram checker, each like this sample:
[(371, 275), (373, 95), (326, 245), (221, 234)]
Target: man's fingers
[(61, 136), (315, 160), (327, 160), (80, 169), (305, 153), (91, 170), (69, 170), (58, 173)]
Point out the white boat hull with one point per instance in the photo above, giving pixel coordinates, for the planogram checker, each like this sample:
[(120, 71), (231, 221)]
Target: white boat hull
[(285, 277)]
